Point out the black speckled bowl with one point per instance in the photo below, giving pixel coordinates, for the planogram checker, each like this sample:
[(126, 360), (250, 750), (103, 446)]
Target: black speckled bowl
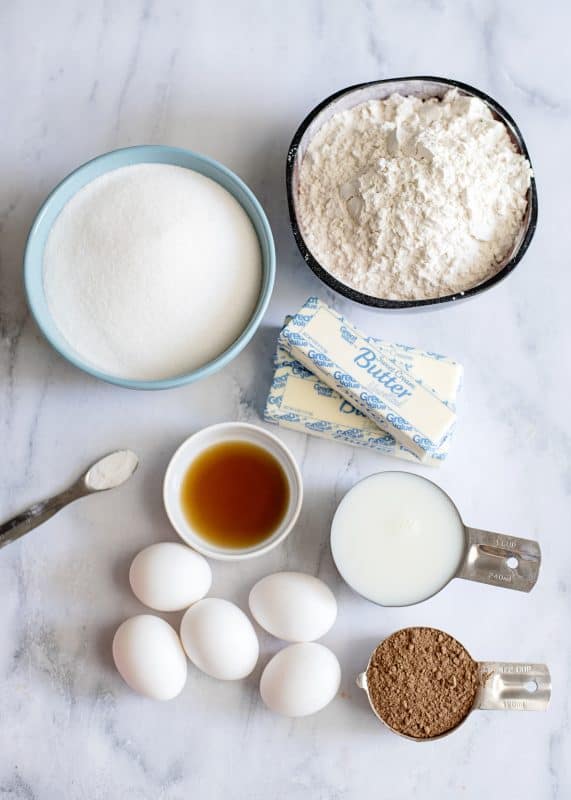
[(378, 90)]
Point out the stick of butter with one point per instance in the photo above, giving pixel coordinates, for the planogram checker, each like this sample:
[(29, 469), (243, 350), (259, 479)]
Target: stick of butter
[(300, 401), (440, 374), (362, 372)]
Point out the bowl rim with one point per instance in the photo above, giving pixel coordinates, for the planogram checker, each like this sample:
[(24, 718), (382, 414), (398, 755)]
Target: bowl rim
[(296, 486), (376, 302), (152, 153)]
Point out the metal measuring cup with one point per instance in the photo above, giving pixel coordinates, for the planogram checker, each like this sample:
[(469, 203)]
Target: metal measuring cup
[(497, 559), (504, 686)]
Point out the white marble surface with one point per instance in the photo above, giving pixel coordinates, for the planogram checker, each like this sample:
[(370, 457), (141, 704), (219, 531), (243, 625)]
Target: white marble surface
[(233, 79)]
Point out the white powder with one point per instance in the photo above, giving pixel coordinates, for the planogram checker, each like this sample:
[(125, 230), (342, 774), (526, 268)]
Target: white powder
[(411, 199), (151, 271)]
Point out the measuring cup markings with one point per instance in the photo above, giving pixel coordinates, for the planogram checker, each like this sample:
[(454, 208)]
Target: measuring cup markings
[(514, 686), (498, 560), (507, 544), (497, 576), (515, 668), (515, 705)]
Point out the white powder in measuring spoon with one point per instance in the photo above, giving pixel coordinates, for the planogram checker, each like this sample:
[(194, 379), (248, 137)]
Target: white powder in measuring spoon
[(151, 271)]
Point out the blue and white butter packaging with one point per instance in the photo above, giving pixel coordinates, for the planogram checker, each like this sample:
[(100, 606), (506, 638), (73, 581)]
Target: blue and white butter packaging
[(300, 401), (406, 395)]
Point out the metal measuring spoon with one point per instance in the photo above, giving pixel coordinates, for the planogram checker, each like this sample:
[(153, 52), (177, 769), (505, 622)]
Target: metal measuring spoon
[(504, 686), (109, 472)]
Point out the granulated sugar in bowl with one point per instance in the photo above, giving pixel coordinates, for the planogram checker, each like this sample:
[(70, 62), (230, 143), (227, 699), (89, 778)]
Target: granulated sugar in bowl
[(156, 266)]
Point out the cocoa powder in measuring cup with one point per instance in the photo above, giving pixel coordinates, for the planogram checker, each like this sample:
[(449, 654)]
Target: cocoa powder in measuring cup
[(422, 682)]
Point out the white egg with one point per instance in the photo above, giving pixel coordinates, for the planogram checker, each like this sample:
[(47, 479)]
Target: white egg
[(293, 606), (219, 639), (300, 679), (169, 576), (149, 657)]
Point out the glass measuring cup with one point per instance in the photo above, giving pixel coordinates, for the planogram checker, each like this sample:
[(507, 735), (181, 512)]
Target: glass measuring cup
[(505, 686), (397, 539)]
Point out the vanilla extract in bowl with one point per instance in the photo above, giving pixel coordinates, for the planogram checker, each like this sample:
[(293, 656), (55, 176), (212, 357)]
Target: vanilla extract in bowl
[(235, 494), (233, 491)]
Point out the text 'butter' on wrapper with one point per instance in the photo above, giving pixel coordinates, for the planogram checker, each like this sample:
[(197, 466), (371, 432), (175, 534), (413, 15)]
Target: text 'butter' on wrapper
[(357, 368), (440, 374), (302, 402)]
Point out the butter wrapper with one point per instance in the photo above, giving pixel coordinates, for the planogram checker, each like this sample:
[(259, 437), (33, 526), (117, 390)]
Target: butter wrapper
[(365, 375), (441, 375), (300, 401)]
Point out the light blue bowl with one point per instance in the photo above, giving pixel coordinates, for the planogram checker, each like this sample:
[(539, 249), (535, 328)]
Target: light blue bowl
[(144, 154)]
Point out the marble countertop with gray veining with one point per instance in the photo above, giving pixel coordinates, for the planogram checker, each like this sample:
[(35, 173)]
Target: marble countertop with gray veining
[(233, 80)]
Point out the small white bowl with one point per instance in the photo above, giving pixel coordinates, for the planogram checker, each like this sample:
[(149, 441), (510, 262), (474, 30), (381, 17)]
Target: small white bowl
[(196, 444)]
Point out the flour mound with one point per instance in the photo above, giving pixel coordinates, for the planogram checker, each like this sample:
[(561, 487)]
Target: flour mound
[(409, 199)]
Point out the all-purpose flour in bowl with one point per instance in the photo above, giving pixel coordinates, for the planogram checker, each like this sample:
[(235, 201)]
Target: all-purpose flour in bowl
[(151, 271), (412, 199)]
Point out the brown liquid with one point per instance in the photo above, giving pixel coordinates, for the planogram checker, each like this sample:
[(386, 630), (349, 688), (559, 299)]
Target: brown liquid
[(235, 494)]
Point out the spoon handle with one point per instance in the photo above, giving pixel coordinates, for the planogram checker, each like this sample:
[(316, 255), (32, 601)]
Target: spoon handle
[(37, 514)]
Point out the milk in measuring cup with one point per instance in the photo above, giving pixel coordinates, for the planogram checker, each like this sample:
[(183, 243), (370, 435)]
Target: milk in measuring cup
[(397, 538)]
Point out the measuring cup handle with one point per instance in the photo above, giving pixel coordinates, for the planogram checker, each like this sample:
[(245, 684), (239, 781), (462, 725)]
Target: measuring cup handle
[(513, 687), (489, 557)]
